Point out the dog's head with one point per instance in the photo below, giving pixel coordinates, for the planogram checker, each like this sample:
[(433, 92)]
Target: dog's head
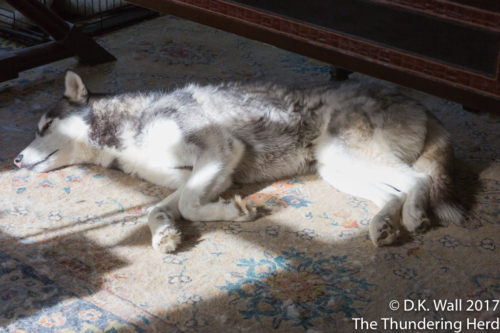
[(62, 131)]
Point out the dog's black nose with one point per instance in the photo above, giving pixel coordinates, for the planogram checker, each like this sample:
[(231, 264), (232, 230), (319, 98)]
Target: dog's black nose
[(18, 161)]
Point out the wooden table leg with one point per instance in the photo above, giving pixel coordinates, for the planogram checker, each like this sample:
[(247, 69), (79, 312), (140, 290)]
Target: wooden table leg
[(339, 74), (69, 41)]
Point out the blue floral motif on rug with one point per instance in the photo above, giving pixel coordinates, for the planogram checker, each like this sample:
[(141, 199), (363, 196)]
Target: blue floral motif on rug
[(298, 288)]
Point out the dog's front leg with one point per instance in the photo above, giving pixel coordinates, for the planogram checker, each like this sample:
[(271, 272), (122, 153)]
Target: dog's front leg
[(212, 172), (161, 220)]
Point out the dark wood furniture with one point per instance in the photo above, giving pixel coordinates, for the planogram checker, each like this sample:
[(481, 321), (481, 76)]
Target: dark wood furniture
[(67, 41), (446, 48)]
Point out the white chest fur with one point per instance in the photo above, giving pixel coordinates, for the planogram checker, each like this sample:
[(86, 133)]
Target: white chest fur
[(159, 154)]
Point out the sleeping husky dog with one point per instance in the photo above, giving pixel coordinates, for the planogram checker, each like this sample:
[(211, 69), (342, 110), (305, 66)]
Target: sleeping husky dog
[(363, 139)]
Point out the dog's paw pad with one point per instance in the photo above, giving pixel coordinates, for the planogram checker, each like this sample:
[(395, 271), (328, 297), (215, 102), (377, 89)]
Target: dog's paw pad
[(383, 232), (265, 210), (248, 212), (166, 239)]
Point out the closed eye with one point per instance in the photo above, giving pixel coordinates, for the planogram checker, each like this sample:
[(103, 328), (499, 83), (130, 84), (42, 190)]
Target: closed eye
[(42, 131)]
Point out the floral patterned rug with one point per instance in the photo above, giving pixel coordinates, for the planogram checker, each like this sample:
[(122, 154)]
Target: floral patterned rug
[(75, 252)]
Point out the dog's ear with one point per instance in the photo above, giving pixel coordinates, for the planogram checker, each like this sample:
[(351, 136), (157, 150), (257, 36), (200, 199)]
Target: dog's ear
[(75, 89)]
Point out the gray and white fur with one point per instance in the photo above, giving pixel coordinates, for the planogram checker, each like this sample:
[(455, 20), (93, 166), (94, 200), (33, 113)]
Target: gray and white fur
[(362, 138)]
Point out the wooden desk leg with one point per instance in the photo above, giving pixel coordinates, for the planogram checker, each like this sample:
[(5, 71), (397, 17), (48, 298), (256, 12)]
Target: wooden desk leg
[(86, 49), (339, 74), (64, 33)]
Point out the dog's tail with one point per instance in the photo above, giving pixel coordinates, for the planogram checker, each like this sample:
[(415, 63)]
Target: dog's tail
[(436, 161)]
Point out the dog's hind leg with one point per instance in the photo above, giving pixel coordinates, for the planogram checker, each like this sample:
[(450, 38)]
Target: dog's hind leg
[(384, 227), (436, 162), (388, 185), (416, 206), (161, 220)]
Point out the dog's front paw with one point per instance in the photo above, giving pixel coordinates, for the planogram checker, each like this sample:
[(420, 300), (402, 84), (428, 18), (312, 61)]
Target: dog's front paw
[(166, 236), (166, 239), (248, 211)]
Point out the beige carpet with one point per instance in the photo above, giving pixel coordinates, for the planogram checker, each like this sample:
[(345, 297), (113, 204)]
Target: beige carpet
[(75, 252)]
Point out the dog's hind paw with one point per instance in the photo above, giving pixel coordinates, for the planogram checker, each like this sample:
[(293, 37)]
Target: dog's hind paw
[(416, 221), (383, 230), (166, 239)]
